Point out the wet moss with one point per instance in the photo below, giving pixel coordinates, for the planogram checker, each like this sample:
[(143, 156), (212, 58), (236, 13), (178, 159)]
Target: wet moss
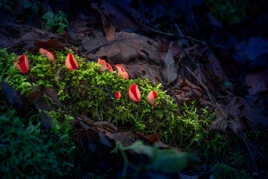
[(87, 91)]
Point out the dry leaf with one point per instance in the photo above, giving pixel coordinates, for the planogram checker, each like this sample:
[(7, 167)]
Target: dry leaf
[(125, 138), (169, 71), (50, 44), (193, 86), (108, 29), (220, 123), (126, 47), (197, 92), (182, 98), (257, 82), (231, 112)]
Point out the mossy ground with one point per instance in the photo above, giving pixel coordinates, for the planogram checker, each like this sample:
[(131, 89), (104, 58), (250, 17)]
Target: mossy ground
[(87, 91)]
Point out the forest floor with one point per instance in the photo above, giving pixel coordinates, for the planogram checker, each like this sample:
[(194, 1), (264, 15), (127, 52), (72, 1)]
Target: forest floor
[(210, 116)]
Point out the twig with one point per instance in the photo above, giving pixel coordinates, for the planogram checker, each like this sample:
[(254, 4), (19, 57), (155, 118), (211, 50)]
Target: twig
[(202, 84), (182, 36)]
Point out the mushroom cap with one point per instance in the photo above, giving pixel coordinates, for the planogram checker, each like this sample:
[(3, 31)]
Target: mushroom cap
[(117, 95), (134, 93), (151, 97), (47, 53), (22, 64), (121, 72), (105, 65), (71, 63)]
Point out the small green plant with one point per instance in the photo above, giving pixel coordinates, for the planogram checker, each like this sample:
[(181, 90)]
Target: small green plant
[(6, 5), (234, 11), (26, 152), (10, 5), (33, 5), (55, 22), (228, 11), (60, 123)]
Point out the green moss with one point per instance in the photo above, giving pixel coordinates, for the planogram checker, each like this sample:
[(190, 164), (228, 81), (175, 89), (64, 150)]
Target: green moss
[(60, 123), (86, 91)]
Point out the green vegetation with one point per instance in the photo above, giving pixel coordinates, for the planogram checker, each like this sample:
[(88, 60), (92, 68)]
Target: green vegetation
[(26, 151), (228, 11), (60, 126), (33, 5), (55, 22), (86, 91), (6, 5), (10, 5), (233, 11), (166, 160)]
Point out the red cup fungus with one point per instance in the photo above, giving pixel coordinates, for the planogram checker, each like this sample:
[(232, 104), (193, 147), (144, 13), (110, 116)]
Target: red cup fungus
[(121, 72), (47, 53), (151, 97), (134, 93), (71, 63), (22, 64)]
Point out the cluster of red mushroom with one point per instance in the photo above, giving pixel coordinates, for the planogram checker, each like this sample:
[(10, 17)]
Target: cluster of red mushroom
[(70, 62), (133, 92)]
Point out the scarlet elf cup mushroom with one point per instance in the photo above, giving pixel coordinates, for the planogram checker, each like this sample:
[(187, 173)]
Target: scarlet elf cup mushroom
[(22, 64), (71, 63), (134, 93)]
